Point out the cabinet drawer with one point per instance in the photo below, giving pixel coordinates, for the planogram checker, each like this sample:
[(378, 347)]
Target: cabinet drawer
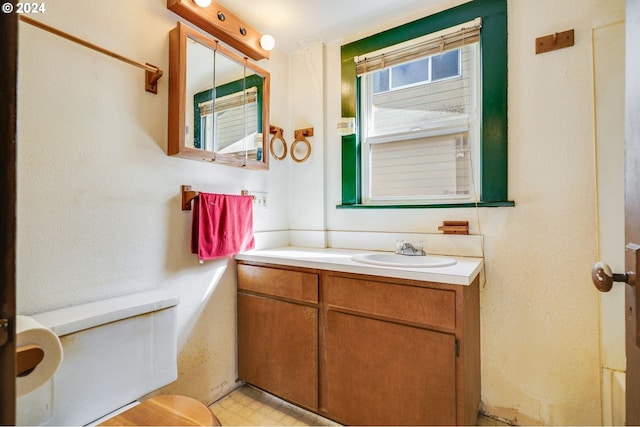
[(426, 306), (295, 285)]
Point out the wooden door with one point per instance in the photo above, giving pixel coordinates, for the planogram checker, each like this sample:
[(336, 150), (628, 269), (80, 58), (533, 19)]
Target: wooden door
[(8, 56), (278, 348), (632, 207), (382, 373)]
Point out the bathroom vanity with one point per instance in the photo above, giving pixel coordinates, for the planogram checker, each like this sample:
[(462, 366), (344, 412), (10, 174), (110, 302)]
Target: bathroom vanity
[(359, 344)]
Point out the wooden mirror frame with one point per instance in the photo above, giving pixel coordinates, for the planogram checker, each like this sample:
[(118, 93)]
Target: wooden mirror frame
[(177, 100)]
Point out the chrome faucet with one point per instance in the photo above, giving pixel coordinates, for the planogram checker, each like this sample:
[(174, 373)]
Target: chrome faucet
[(406, 248)]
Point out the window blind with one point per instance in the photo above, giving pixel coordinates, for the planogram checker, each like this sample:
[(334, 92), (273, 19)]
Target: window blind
[(465, 34), (424, 106), (229, 101)]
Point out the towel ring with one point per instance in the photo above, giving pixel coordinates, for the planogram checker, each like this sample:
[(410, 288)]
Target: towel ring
[(300, 135), (277, 135)]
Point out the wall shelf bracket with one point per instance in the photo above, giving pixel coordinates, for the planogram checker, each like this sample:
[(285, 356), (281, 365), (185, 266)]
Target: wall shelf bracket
[(187, 196), (151, 79)]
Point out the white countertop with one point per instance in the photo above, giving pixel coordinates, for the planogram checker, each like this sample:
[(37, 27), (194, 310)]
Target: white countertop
[(463, 272)]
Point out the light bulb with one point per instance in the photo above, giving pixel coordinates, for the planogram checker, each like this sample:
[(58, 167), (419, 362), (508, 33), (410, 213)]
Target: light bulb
[(267, 42), (202, 3)]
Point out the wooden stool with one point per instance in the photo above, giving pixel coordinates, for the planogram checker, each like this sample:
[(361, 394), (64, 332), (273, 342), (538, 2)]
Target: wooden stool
[(165, 410)]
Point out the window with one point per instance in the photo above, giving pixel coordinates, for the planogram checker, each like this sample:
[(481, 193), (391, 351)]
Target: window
[(421, 71), (420, 131), (230, 126), (446, 65), (224, 130), (417, 145)]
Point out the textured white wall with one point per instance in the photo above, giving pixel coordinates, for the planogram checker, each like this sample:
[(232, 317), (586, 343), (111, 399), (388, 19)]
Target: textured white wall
[(98, 198), (99, 216), (306, 186), (539, 310)]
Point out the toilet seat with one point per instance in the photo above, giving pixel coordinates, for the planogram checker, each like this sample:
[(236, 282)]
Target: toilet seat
[(165, 410)]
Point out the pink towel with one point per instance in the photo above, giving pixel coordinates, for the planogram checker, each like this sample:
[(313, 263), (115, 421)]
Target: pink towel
[(222, 225)]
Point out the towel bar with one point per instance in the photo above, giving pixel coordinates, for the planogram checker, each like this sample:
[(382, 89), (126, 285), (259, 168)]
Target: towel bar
[(152, 73), (188, 195)]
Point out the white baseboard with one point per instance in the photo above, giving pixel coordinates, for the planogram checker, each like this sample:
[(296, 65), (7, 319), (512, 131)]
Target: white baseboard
[(613, 397)]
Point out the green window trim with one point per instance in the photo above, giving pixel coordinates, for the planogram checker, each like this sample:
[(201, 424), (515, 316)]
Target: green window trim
[(493, 139), (431, 206)]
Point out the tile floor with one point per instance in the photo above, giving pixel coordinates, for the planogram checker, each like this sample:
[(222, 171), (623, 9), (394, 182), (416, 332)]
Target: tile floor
[(249, 406)]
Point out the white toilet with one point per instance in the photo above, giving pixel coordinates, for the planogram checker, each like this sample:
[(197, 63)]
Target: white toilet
[(114, 352)]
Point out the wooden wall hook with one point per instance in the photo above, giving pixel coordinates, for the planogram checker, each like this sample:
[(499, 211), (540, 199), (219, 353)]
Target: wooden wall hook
[(555, 41)]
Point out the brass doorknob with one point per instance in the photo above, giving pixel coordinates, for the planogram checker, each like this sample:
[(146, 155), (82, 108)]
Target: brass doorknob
[(603, 278)]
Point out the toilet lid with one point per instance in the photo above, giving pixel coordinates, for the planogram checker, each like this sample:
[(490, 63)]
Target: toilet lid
[(165, 410)]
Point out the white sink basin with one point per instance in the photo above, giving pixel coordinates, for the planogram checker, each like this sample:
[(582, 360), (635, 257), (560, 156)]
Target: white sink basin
[(394, 260)]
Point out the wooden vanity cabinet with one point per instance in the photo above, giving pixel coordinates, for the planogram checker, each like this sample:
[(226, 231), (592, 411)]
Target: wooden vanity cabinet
[(384, 373), (399, 352), (278, 332), (377, 351)]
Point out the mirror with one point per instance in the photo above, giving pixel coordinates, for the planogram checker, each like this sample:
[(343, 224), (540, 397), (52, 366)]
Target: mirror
[(218, 102)]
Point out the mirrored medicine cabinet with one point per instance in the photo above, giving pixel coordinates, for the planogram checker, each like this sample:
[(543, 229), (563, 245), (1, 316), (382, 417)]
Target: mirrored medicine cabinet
[(218, 102)]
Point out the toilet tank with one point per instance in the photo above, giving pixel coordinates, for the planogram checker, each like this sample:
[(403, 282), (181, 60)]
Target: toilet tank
[(114, 352)]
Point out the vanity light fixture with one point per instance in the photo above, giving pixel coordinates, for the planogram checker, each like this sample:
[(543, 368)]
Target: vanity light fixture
[(202, 3), (222, 24), (267, 42)]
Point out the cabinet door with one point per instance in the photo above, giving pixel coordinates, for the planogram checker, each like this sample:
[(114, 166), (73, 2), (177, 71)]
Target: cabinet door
[(382, 373), (278, 348)]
